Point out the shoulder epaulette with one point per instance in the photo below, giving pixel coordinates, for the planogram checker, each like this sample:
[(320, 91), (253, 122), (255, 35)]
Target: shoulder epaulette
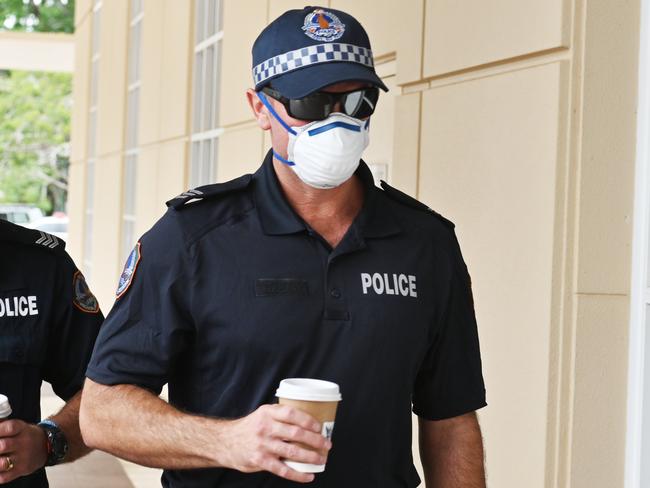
[(409, 201), (38, 238), (209, 191)]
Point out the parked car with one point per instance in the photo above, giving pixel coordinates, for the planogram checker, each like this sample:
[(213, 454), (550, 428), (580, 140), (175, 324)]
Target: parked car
[(55, 225), (20, 213)]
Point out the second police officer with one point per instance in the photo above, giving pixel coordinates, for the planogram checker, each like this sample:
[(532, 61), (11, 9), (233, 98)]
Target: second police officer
[(49, 320)]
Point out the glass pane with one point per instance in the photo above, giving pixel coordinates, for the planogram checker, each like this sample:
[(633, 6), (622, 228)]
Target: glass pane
[(20, 218), (212, 17), (195, 167), (94, 81), (199, 24), (130, 174), (207, 162), (133, 103), (218, 13), (209, 87), (127, 238), (136, 8), (216, 84), (198, 95), (134, 53), (213, 163), (92, 131), (88, 238), (96, 31), (90, 185)]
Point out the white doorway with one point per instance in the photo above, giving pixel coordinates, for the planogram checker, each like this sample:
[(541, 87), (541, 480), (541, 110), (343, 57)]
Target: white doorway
[(637, 472)]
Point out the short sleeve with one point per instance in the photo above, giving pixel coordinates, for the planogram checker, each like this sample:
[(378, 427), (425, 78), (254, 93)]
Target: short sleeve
[(149, 324), (450, 380), (73, 330)]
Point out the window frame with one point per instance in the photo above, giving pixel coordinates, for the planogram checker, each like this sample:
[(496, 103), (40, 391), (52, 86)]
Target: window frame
[(205, 129)]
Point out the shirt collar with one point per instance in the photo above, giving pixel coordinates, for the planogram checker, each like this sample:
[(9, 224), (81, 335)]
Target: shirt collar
[(278, 218), (276, 215)]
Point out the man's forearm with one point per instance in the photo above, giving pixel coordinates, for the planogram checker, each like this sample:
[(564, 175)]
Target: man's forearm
[(452, 452), (136, 425), (68, 421)]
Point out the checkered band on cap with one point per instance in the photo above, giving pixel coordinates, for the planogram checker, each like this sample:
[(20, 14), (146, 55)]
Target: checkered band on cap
[(306, 56)]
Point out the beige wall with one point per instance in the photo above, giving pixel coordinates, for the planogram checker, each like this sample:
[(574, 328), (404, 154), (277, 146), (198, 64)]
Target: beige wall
[(35, 51), (514, 118)]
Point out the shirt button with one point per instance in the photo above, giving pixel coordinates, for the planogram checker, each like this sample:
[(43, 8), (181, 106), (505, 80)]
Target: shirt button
[(335, 293)]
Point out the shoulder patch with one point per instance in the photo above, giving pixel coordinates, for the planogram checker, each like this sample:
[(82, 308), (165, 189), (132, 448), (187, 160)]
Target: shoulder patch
[(83, 299), (209, 191), (409, 201), (131, 265)]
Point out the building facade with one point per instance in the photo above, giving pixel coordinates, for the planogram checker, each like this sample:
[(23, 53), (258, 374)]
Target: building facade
[(516, 119)]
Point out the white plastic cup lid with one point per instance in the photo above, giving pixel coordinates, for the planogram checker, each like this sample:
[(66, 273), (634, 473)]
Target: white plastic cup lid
[(308, 389), (5, 408)]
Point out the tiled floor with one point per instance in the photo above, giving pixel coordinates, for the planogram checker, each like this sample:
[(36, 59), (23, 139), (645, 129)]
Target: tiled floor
[(98, 469)]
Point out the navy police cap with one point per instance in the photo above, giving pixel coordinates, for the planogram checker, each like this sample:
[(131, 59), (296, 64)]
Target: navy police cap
[(305, 50)]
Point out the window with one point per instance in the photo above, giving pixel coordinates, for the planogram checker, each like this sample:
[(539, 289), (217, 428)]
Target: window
[(132, 125), (20, 218), (92, 139), (205, 123), (53, 227)]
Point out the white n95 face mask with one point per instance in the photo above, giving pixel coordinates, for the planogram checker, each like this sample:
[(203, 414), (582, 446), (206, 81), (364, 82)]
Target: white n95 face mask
[(324, 153)]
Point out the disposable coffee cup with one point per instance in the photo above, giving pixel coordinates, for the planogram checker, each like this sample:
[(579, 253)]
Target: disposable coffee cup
[(319, 399), (5, 408)]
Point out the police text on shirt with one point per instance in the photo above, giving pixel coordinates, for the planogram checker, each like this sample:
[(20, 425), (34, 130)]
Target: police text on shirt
[(389, 284), (18, 306)]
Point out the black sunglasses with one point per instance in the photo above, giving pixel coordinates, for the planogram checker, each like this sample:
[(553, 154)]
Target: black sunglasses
[(359, 103)]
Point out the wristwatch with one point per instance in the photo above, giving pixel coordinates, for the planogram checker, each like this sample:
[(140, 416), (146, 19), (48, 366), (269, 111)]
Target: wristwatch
[(57, 444)]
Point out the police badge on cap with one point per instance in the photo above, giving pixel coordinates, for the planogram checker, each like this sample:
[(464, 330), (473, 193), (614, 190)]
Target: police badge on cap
[(323, 26)]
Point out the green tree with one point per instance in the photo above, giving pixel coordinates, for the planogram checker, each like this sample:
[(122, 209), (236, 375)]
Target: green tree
[(35, 127), (35, 138), (37, 15)]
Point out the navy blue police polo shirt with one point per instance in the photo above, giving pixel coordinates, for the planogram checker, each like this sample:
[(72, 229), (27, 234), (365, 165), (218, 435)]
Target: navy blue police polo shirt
[(230, 292), (49, 320)]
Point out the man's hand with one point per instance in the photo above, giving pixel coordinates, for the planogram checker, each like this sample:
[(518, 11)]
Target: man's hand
[(22, 445), (257, 442)]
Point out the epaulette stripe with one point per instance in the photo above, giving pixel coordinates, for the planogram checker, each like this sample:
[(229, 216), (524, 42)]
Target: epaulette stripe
[(47, 240), (408, 200), (208, 191), (190, 193)]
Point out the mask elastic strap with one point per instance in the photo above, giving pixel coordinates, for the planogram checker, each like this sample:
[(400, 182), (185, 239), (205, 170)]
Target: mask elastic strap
[(266, 103), (280, 158)]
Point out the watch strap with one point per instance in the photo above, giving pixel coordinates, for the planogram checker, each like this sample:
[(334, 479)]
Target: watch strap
[(57, 444)]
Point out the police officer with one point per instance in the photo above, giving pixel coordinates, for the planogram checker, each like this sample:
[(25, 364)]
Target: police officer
[(304, 269), (49, 320)]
